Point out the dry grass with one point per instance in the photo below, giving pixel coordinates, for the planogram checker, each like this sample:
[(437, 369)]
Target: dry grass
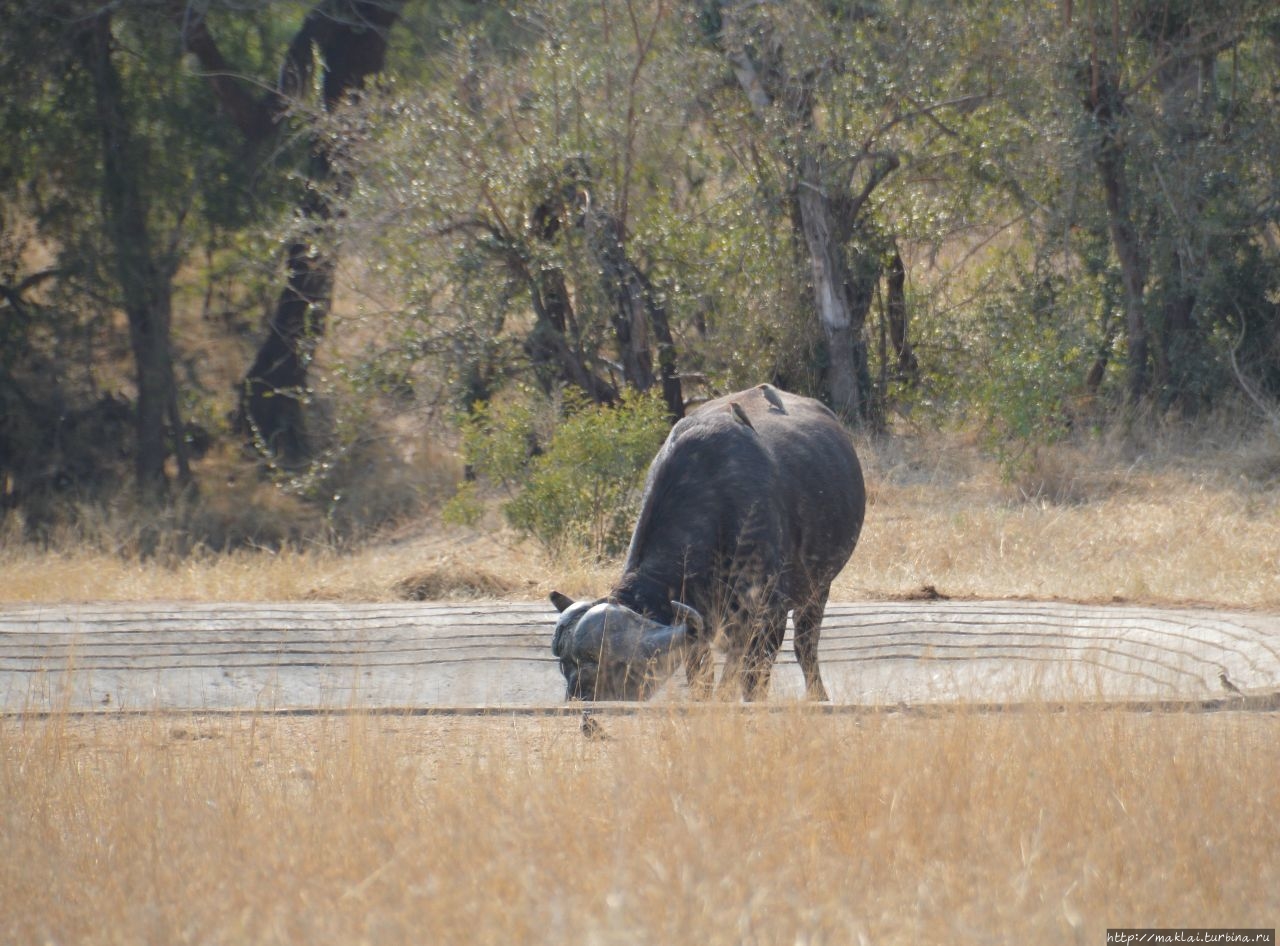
[(1082, 523), (449, 563), (724, 826), (1183, 521)]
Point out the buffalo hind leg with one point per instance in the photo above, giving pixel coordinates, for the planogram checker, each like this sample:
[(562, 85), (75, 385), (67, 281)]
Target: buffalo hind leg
[(808, 621), (737, 638), (761, 653)]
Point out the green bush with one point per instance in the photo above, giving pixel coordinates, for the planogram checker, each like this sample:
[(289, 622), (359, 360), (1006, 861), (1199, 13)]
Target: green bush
[(499, 441), (1021, 357), (583, 491)]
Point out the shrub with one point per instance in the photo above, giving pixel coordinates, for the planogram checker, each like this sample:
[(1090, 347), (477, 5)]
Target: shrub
[(583, 490), (1025, 355), (499, 441)]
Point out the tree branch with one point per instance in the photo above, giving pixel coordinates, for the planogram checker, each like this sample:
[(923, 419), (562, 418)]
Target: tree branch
[(886, 164), (256, 117)]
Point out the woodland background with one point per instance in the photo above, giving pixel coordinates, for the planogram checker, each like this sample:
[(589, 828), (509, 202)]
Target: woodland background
[(287, 272)]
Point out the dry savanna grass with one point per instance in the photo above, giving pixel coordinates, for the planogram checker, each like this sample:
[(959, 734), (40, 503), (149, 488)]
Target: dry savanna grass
[(1191, 520), (723, 825), (1081, 523)]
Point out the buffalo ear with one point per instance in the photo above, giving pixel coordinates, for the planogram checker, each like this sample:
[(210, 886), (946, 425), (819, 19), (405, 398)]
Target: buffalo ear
[(570, 614), (561, 636), (688, 617), (562, 602)]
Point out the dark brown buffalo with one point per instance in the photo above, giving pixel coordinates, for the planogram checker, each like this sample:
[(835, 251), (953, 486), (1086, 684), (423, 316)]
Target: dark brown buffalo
[(751, 508)]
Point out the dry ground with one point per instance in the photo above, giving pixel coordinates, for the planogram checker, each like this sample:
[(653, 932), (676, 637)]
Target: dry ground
[(716, 827)]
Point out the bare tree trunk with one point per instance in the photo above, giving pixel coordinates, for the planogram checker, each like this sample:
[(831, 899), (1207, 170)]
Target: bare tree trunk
[(144, 278), (1104, 101), (828, 215), (554, 346), (629, 313), (672, 388), (1102, 358), (349, 39), (274, 391), (1183, 79), (896, 306), (636, 313), (831, 280)]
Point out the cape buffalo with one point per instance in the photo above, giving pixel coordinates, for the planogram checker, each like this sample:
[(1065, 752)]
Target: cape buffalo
[(750, 510)]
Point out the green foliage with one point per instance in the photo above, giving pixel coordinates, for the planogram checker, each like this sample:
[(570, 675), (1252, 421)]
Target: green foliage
[(1017, 363), (472, 187), (499, 441), (461, 184), (1023, 394), (80, 244), (583, 491)]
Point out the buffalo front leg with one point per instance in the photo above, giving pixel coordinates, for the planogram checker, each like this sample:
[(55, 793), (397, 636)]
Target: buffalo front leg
[(700, 670), (731, 679), (808, 621)]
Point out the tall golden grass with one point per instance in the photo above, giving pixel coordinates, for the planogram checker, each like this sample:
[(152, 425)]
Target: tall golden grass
[(723, 825)]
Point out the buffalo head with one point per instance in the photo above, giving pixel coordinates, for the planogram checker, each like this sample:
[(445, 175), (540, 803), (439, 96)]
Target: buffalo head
[(609, 652)]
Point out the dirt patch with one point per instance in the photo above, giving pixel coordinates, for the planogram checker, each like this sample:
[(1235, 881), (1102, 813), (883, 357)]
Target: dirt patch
[(449, 582), (923, 593)]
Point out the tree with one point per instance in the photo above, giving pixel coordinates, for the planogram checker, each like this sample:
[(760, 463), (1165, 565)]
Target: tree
[(1123, 202), (1165, 86), (836, 92), (116, 168), (1075, 206), (144, 276), (525, 172), (103, 171), (347, 41)]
